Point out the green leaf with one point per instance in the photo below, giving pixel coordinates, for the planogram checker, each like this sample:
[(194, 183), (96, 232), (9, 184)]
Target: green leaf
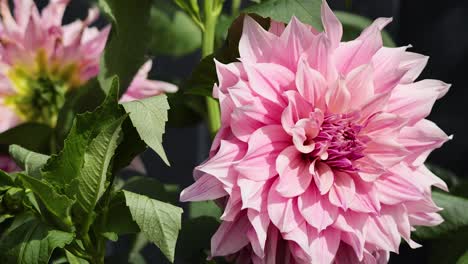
[(160, 222), (454, 213), (86, 98), (463, 259), (174, 32), (59, 205), (72, 259), (97, 159), (21, 135), (307, 11), (63, 168), (128, 42), (6, 180), (353, 25), (203, 78), (149, 117), (30, 241), (194, 239), (30, 161), (119, 220), (204, 208), (152, 188)]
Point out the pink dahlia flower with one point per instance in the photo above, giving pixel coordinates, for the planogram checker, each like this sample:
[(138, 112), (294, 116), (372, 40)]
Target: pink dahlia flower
[(7, 164), (40, 60), (141, 87), (320, 157)]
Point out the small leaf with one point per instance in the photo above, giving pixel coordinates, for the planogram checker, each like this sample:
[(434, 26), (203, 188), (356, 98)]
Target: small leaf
[(59, 205), (149, 117), (160, 222), (97, 159), (454, 213), (72, 259), (128, 42), (307, 11), (30, 241), (21, 135), (204, 208), (30, 161)]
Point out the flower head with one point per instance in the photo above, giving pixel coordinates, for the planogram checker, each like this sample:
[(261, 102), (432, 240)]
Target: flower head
[(320, 157), (41, 59)]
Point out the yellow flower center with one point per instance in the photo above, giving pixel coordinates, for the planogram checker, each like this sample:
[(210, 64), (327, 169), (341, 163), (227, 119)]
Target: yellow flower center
[(40, 89)]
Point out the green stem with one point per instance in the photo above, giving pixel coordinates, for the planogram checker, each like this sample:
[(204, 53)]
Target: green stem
[(235, 7), (211, 18)]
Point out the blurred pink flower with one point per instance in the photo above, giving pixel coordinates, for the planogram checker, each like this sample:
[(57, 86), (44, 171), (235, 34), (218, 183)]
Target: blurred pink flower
[(7, 164), (320, 157), (141, 87), (40, 59)]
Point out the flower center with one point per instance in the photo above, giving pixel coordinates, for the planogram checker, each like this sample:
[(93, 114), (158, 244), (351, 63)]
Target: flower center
[(37, 99), (40, 89), (338, 143)]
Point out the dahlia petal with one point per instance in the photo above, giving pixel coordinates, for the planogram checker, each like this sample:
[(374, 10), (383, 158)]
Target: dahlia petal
[(276, 27), (365, 200), (228, 74), (428, 178), (325, 245), (310, 84), (233, 205), (323, 176), (377, 25), (319, 56), (413, 64), (255, 43), (360, 84), (300, 237), (400, 215), (230, 236), (205, 188), (338, 98), (317, 210), (425, 219), (388, 72), (383, 232), (283, 211), (296, 39), (95, 46), (421, 139), (342, 192), (415, 101), (352, 54), (395, 188), (268, 80), (258, 233), (294, 176), (383, 123), (137, 165), (264, 146), (297, 109), (332, 25), (221, 164)]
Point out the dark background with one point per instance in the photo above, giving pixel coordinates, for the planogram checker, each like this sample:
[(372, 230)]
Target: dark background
[(435, 28)]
